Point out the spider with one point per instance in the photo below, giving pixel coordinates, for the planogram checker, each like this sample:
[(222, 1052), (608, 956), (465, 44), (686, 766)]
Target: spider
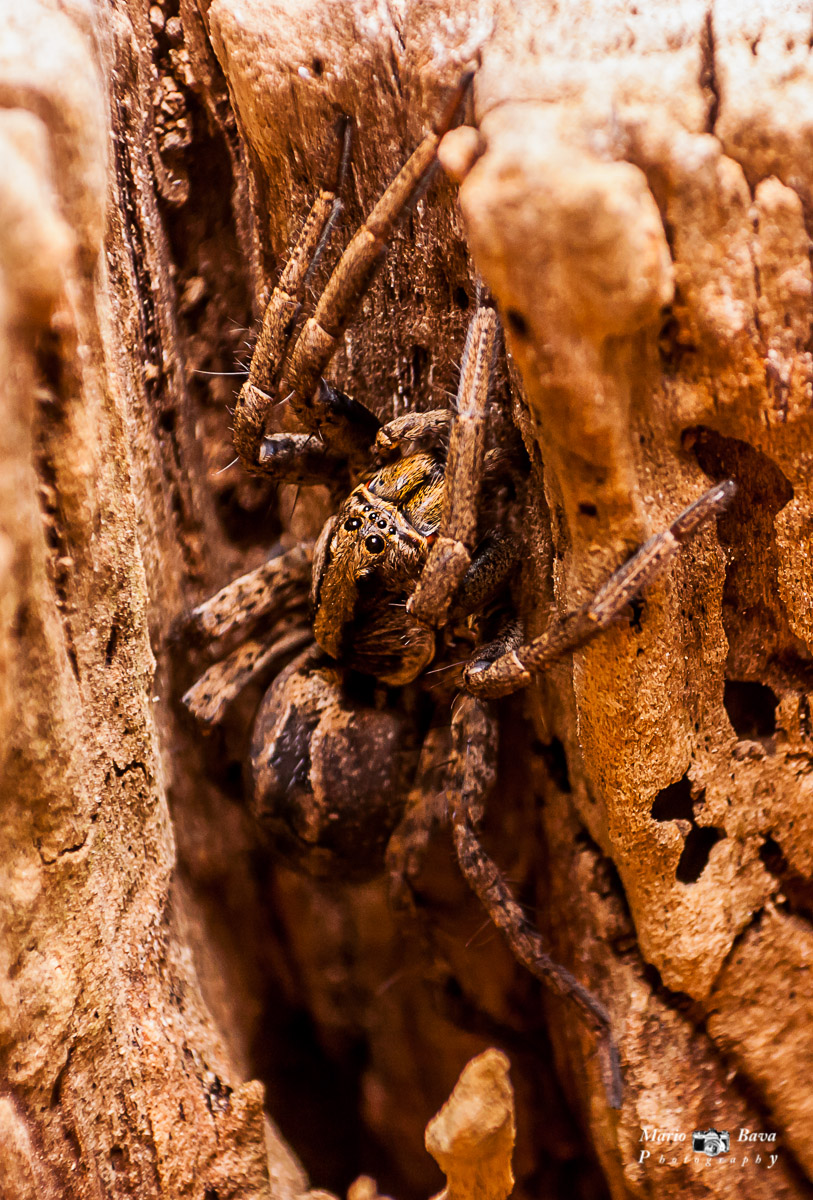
[(414, 568)]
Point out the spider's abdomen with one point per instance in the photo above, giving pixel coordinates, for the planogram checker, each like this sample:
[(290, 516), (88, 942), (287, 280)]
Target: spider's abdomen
[(367, 564), (328, 771)]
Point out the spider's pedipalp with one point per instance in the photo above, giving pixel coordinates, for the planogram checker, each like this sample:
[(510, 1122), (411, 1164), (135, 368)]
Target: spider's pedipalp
[(421, 427)]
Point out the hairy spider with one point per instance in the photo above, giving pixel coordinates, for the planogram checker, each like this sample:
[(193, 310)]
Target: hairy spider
[(413, 569)]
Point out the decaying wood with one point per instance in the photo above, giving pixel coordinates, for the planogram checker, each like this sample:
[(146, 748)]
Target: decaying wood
[(640, 209), (472, 1137)]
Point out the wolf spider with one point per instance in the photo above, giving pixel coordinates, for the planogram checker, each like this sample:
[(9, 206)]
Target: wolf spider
[(415, 565)]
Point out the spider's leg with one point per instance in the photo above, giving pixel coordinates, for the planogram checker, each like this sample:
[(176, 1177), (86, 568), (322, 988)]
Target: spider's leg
[(472, 777), (425, 808), (337, 418), (496, 556), (514, 669), (277, 590), (282, 310), (450, 557), (209, 697), (491, 565), (508, 461), (485, 879), (301, 458), (261, 591)]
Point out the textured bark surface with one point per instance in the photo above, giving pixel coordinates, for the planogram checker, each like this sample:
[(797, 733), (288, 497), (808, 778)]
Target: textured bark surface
[(173, 1003)]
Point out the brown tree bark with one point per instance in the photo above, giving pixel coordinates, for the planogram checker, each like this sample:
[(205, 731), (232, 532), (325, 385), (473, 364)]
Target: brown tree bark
[(180, 1014)]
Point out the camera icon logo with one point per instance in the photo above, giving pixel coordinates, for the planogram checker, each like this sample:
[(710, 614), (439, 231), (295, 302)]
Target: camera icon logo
[(711, 1142)]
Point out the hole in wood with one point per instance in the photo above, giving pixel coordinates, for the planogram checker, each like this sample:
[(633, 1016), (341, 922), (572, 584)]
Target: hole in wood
[(751, 708), (696, 851)]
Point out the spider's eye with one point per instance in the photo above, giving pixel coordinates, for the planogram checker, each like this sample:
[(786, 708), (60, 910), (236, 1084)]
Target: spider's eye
[(352, 523), (374, 543)]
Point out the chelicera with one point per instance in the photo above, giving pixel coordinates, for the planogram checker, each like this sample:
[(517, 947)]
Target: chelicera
[(413, 571)]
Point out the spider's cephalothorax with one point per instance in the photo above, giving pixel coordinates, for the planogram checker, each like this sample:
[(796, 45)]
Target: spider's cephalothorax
[(368, 562), (418, 559)]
